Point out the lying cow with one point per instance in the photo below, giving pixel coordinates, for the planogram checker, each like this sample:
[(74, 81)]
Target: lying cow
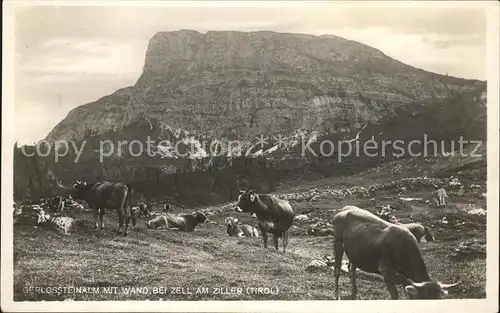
[(319, 264), (236, 230), (275, 215), (320, 232), (30, 215), (63, 224), (184, 222), (417, 229), (376, 246), (107, 195), (326, 263)]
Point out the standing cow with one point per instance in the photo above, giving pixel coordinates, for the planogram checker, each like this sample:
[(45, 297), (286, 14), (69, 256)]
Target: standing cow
[(441, 196), (107, 195), (377, 246), (275, 215)]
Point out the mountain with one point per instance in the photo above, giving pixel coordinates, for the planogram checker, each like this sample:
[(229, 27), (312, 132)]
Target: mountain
[(228, 84), (199, 89)]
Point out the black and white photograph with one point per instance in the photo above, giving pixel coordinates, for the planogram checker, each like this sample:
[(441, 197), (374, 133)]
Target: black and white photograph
[(259, 156)]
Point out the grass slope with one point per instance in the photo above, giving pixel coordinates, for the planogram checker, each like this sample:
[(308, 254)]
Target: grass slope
[(209, 258)]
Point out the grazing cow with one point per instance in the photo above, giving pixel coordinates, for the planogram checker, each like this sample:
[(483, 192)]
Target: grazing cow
[(376, 246), (275, 215), (417, 229), (441, 195), (107, 195), (236, 230), (184, 222)]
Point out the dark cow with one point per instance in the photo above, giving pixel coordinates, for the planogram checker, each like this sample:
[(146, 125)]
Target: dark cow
[(167, 207), (418, 230), (184, 222), (275, 215), (53, 204), (376, 246), (107, 195)]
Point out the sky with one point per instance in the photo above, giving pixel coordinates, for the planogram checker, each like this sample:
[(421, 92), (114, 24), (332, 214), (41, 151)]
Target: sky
[(68, 56)]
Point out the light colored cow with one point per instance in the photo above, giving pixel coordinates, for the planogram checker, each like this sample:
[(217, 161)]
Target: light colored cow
[(441, 196), (236, 230), (63, 224), (184, 222)]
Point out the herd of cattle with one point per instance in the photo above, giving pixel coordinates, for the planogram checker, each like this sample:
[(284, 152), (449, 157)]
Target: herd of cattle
[(372, 243)]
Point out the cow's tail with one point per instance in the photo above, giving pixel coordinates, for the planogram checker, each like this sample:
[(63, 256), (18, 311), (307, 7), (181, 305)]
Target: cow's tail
[(132, 213)]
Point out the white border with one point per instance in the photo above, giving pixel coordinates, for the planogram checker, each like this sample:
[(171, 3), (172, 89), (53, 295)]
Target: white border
[(490, 304)]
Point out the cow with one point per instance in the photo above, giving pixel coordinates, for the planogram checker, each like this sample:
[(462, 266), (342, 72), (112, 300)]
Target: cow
[(275, 215), (441, 195), (417, 229), (377, 246), (143, 210), (63, 224), (58, 204), (236, 230), (319, 264), (107, 195), (30, 215), (183, 222)]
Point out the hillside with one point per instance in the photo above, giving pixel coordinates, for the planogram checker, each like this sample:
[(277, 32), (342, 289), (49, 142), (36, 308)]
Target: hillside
[(239, 85)]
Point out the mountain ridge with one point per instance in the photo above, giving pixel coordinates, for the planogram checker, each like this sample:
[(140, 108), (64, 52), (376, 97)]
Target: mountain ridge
[(231, 82)]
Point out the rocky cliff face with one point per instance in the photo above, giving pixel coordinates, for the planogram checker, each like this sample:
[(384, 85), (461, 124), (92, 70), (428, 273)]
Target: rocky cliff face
[(240, 85)]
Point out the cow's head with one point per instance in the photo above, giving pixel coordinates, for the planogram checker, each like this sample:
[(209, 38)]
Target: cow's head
[(393, 219), (329, 260), (230, 221), (246, 200), (78, 189), (427, 290), (200, 217), (41, 215), (429, 236)]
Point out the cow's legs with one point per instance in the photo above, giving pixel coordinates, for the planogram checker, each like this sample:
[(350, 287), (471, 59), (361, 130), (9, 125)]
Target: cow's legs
[(389, 279), (264, 235), (120, 220), (285, 240), (338, 253), (125, 228), (96, 217), (352, 273), (264, 238), (101, 217), (276, 237), (127, 222)]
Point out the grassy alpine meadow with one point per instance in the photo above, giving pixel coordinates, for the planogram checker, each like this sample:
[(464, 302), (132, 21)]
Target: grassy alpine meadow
[(207, 264)]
